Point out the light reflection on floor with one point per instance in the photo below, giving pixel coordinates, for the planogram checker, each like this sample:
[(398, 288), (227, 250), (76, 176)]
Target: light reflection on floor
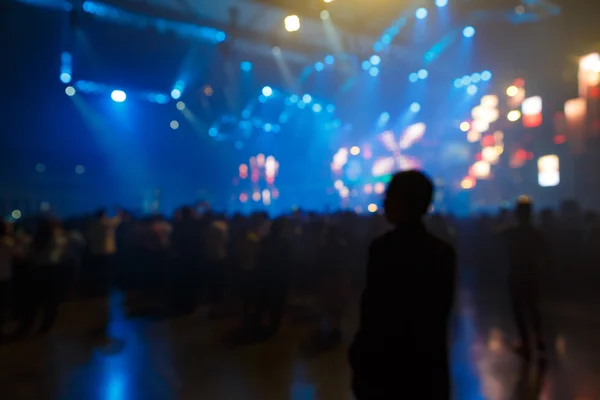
[(186, 359)]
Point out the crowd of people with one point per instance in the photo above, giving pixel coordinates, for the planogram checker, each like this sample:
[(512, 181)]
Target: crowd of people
[(199, 258)]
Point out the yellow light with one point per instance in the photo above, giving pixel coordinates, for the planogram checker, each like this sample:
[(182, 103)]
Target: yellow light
[(292, 23), (467, 183), (327, 1), (355, 150), (512, 91), (514, 115), (372, 207), (465, 126), (473, 136)]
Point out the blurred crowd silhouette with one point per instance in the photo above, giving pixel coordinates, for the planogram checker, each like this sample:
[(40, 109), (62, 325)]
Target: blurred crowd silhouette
[(256, 266)]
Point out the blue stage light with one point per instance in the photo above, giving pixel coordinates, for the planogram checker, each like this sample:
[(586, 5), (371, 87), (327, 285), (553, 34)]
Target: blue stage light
[(213, 132), (329, 59), (413, 77), (319, 66), (486, 76), (307, 98), (458, 83), (70, 91), (421, 13), (366, 65), (294, 98), (375, 59), (267, 91), (317, 108), (118, 96), (472, 90), (415, 107), (330, 108), (374, 71), (475, 78), (246, 66), (468, 32), (441, 3), (175, 93), (65, 77), (423, 74)]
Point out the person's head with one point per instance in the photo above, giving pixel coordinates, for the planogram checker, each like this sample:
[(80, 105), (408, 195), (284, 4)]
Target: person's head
[(408, 197), (524, 210)]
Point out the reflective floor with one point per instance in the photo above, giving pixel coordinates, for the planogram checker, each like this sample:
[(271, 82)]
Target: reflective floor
[(190, 358)]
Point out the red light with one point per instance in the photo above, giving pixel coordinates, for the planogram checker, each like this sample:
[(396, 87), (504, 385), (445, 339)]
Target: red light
[(594, 92), (532, 121), (530, 156), (560, 139), (488, 141), (478, 157), (243, 197)]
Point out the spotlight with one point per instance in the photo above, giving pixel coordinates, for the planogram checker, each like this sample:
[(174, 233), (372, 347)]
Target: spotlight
[(292, 23), (413, 77), (374, 71), (329, 59), (324, 15), (175, 94), (246, 66), (468, 32), (317, 108), (118, 96), (180, 105), (375, 59), (174, 124), (276, 51), (330, 108), (65, 77), (441, 3), (415, 107), (267, 91), (472, 90), (512, 91), (70, 90), (458, 83), (212, 132), (80, 170), (421, 13), (465, 126), (319, 66), (366, 65), (514, 115), (486, 76), (423, 74), (307, 98)]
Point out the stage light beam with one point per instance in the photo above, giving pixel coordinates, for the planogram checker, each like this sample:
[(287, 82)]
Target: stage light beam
[(118, 96), (469, 32), (421, 13), (267, 91), (292, 23)]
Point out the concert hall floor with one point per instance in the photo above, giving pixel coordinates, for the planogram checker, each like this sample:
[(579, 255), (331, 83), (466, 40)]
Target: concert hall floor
[(190, 358)]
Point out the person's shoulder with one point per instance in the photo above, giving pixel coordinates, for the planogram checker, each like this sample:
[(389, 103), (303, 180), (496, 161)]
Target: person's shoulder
[(443, 247)]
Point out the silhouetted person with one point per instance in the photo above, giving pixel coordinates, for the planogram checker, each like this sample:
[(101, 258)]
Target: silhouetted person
[(401, 348), (527, 253)]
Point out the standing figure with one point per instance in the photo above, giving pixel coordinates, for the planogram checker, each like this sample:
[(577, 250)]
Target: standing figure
[(401, 347)]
